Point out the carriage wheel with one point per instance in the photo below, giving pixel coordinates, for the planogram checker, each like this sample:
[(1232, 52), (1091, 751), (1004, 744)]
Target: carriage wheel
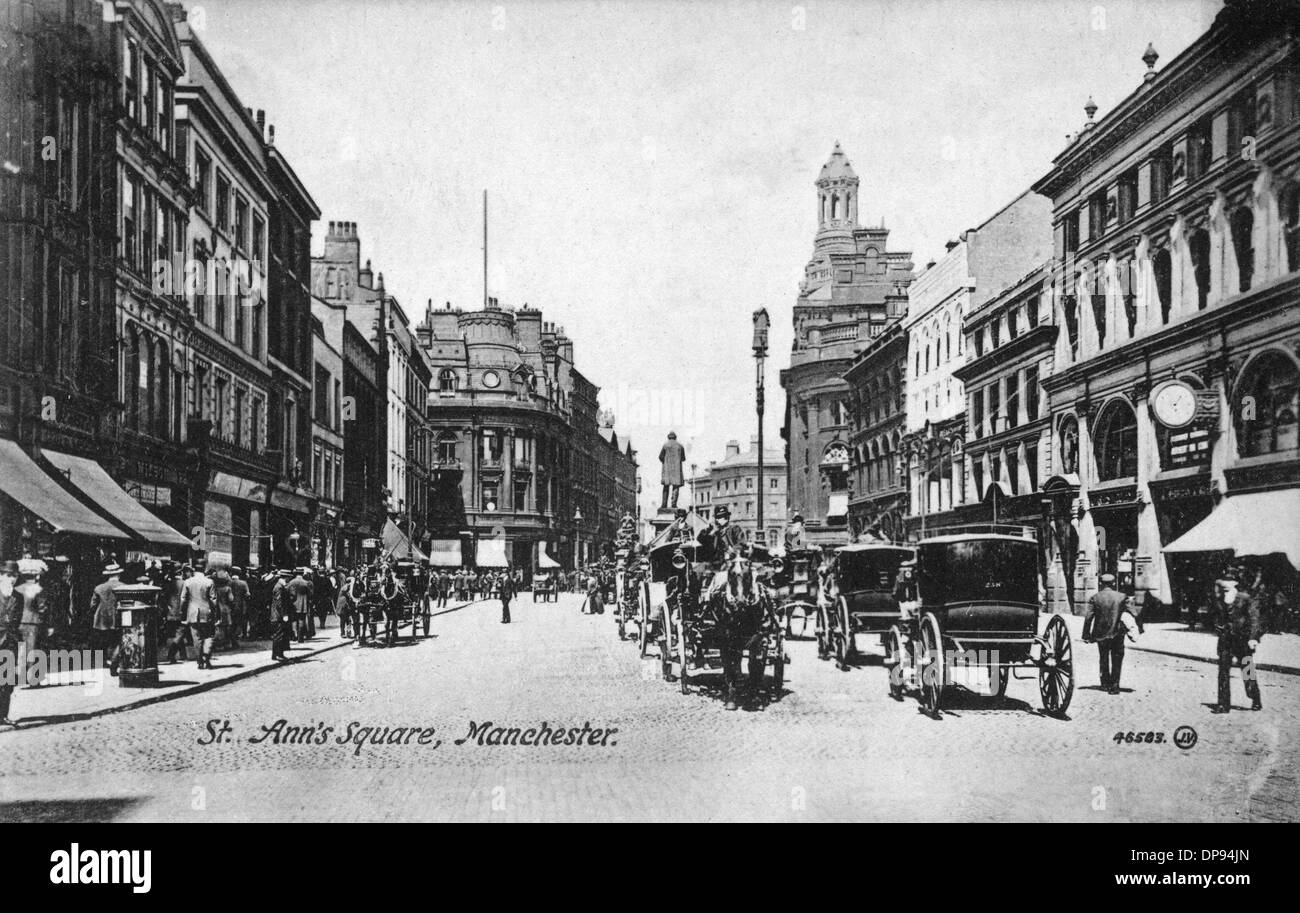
[(643, 618), (844, 651), (999, 683), (1056, 668), (822, 629), (778, 668), (894, 662), (681, 651), (930, 670)]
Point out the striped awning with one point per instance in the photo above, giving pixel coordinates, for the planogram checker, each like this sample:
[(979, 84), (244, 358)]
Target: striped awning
[(445, 553)]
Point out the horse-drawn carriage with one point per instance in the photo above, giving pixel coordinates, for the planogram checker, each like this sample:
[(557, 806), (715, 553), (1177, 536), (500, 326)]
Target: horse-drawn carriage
[(977, 607), (545, 587), (859, 598), (717, 619), (631, 578), (795, 587)]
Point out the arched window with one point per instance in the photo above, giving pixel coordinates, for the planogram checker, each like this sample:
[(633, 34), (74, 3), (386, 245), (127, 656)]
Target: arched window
[(1115, 442), (1162, 266), (132, 379), (1198, 247), (835, 206), (446, 381), (163, 383), (1269, 396), (1242, 225)]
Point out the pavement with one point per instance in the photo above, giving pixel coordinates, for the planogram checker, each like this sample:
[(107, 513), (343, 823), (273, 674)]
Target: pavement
[(445, 728), (1277, 652), (86, 693)]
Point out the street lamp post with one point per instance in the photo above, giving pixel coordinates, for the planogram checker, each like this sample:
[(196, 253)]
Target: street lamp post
[(577, 537), (760, 355)]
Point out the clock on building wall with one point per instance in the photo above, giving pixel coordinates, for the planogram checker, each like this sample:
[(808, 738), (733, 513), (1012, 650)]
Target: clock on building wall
[(1174, 404), (491, 379)]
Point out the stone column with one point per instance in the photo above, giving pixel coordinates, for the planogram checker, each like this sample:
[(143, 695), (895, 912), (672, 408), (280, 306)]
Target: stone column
[(1148, 561)]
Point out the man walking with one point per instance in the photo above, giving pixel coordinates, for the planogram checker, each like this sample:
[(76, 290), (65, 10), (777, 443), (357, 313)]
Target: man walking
[(1101, 625), (1237, 622), (34, 620), (240, 600), (282, 609), (301, 589), (506, 595), (444, 585), (199, 605), (10, 616), (103, 608)]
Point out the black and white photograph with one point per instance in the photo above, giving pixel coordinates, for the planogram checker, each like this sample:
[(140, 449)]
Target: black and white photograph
[(540, 411)]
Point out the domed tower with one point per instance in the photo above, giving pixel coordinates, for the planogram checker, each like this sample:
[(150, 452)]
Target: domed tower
[(837, 203)]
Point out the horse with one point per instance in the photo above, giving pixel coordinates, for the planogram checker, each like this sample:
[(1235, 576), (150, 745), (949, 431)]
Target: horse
[(740, 614)]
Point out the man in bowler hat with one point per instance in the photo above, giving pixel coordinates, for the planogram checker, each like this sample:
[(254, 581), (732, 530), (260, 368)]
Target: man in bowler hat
[(1101, 626)]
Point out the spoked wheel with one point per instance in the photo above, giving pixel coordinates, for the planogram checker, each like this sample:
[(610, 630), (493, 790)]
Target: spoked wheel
[(894, 662), (643, 618), (844, 650), (998, 676), (681, 651), (930, 670), (1056, 668), (778, 668), (823, 631)]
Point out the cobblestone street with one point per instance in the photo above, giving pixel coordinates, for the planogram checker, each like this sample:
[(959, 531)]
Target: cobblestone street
[(834, 747)]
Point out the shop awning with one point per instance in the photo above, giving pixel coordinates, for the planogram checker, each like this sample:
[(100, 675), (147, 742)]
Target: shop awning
[(398, 545), (491, 553), (1250, 525), (29, 485), (445, 553), (92, 480), (546, 562)]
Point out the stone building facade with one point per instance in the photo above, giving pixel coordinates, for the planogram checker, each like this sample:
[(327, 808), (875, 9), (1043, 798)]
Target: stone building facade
[(853, 288), (733, 482), (1176, 389)]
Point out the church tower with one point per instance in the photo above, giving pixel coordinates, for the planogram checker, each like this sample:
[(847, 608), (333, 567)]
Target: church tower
[(837, 204)]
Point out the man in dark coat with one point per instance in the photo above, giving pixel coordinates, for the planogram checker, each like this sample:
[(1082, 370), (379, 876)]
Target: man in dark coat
[(1237, 622), (672, 455), (34, 621), (103, 607), (10, 616), (506, 595), (282, 612), (301, 589), (1101, 626)]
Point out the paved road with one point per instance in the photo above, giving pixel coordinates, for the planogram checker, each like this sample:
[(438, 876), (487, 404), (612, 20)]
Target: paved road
[(835, 747)]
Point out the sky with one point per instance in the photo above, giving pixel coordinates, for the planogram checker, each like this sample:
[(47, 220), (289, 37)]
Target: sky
[(650, 165)]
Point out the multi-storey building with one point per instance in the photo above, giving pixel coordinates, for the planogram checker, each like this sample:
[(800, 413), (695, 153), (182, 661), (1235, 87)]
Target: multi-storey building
[(1009, 344), (339, 280), (517, 446), (60, 411), (231, 383), (365, 402), (733, 482), (327, 432), (878, 494), (976, 266), (292, 506), (161, 410), (853, 287), (1176, 387), (408, 435)]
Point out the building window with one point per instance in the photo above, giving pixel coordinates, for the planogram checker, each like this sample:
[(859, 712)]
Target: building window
[(1128, 194), (223, 202), (1241, 119), (1242, 224), (1070, 232), (255, 425), (1116, 443), (446, 381), (1031, 464), (130, 224), (994, 407), (1162, 170), (1031, 393), (1162, 266), (446, 448), (130, 64), (1200, 147), (489, 491), (258, 249), (203, 179), (1271, 390), (241, 222), (1198, 247), (977, 415)]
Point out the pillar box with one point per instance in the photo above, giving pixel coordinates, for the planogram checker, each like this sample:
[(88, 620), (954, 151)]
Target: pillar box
[(137, 621)]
